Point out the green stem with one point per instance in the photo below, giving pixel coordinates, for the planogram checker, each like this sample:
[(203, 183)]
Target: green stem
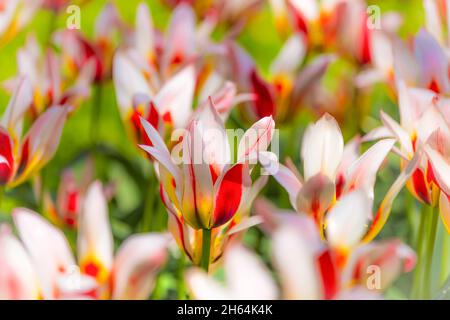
[(429, 252), (181, 287), (147, 223), (419, 248), (444, 257), (2, 189), (206, 248), (95, 113)]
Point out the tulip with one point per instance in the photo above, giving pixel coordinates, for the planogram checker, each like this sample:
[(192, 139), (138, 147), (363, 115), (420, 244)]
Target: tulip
[(22, 157), (308, 268), (331, 171), (15, 15), (79, 53), (49, 85), (70, 197), (231, 13), (206, 193), (98, 274), (287, 88)]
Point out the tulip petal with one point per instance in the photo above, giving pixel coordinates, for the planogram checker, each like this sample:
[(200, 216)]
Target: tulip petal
[(248, 278), (175, 98), (284, 176), (385, 207), (296, 265), (444, 210), (203, 287), (290, 56), (346, 223), (229, 192), (256, 139), (42, 239), (6, 157), (363, 172), (128, 81), (136, 265), (18, 280), (95, 241), (322, 148)]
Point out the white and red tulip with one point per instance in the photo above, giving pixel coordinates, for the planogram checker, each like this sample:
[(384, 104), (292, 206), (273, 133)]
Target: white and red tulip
[(98, 274)]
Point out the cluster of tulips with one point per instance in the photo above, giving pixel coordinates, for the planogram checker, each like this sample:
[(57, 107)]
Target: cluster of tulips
[(214, 137)]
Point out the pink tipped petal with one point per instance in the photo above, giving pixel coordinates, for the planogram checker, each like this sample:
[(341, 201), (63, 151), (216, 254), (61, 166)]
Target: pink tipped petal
[(42, 239), (346, 222), (95, 241), (256, 139), (136, 264), (322, 148), (18, 279)]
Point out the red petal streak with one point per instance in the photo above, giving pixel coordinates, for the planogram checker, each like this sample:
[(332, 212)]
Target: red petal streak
[(264, 103), (6, 169), (328, 271), (229, 195)]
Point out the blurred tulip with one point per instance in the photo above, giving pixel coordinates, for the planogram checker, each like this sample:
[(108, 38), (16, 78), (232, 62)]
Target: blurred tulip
[(288, 86), (128, 275), (80, 53), (307, 268), (49, 85), (70, 197), (14, 15), (21, 157)]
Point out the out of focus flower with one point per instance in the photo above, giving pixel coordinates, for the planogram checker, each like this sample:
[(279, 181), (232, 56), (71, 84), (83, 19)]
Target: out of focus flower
[(204, 189), (284, 93), (169, 108), (70, 197), (50, 86), (421, 116), (330, 170), (307, 268), (23, 156), (337, 24), (78, 51), (14, 15), (397, 61), (232, 13), (159, 56), (128, 275)]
